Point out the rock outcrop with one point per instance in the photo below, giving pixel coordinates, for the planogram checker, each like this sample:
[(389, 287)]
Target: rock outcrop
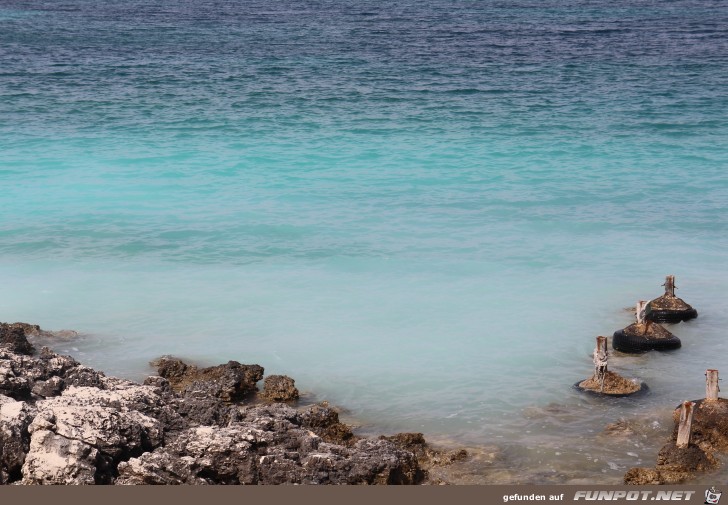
[(64, 423), (269, 445), (675, 465)]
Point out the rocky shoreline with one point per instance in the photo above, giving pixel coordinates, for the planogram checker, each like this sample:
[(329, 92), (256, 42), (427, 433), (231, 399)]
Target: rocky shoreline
[(65, 423)]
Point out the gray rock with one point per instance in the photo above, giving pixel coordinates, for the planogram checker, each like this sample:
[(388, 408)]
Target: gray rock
[(269, 446), (54, 459), (15, 417), (13, 382), (48, 388), (83, 376)]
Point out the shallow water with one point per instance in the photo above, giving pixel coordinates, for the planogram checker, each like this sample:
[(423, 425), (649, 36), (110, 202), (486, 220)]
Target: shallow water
[(422, 211)]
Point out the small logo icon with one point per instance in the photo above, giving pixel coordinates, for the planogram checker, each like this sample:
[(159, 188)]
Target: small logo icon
[(712, 496)]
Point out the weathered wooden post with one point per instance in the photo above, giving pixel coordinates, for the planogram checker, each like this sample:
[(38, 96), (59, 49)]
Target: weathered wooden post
[(643, 310), (601, 356), (670, 285), (711, 384), (686, 422)]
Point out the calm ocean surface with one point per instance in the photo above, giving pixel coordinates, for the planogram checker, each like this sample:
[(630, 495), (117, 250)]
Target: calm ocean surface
[(424, 211)]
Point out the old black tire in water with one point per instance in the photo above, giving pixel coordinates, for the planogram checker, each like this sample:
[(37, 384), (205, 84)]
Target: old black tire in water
[(672, 316), (627, 342)]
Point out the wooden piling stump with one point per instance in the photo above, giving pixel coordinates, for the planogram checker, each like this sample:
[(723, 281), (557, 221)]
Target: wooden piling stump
[(711, 385), (668, 308), (686, 421), (604, 381), (670, 285), (644, 335)]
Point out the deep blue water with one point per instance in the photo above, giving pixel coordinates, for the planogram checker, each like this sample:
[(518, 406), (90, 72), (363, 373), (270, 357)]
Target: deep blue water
[(422, 211)]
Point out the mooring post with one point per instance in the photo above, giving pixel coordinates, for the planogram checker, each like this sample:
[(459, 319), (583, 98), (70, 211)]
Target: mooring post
[(601, 356), (711, 384), (686, 422), (670, 285)]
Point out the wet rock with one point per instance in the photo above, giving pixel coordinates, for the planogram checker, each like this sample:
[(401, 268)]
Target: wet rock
[(379, 462), (413, 442), (689, 459), (172, 369), (34, 331), (620, 428), (649, 477), (30, 330), (279, 388), (324, 421), (229, 382), (427, 456), (12, 337)]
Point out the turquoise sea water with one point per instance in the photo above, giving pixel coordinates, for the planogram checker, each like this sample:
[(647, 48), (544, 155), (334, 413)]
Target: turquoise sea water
[(422, 211)]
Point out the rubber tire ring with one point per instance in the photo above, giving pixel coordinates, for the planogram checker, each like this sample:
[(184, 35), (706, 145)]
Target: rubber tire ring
[(672, 316), (638, 344)]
